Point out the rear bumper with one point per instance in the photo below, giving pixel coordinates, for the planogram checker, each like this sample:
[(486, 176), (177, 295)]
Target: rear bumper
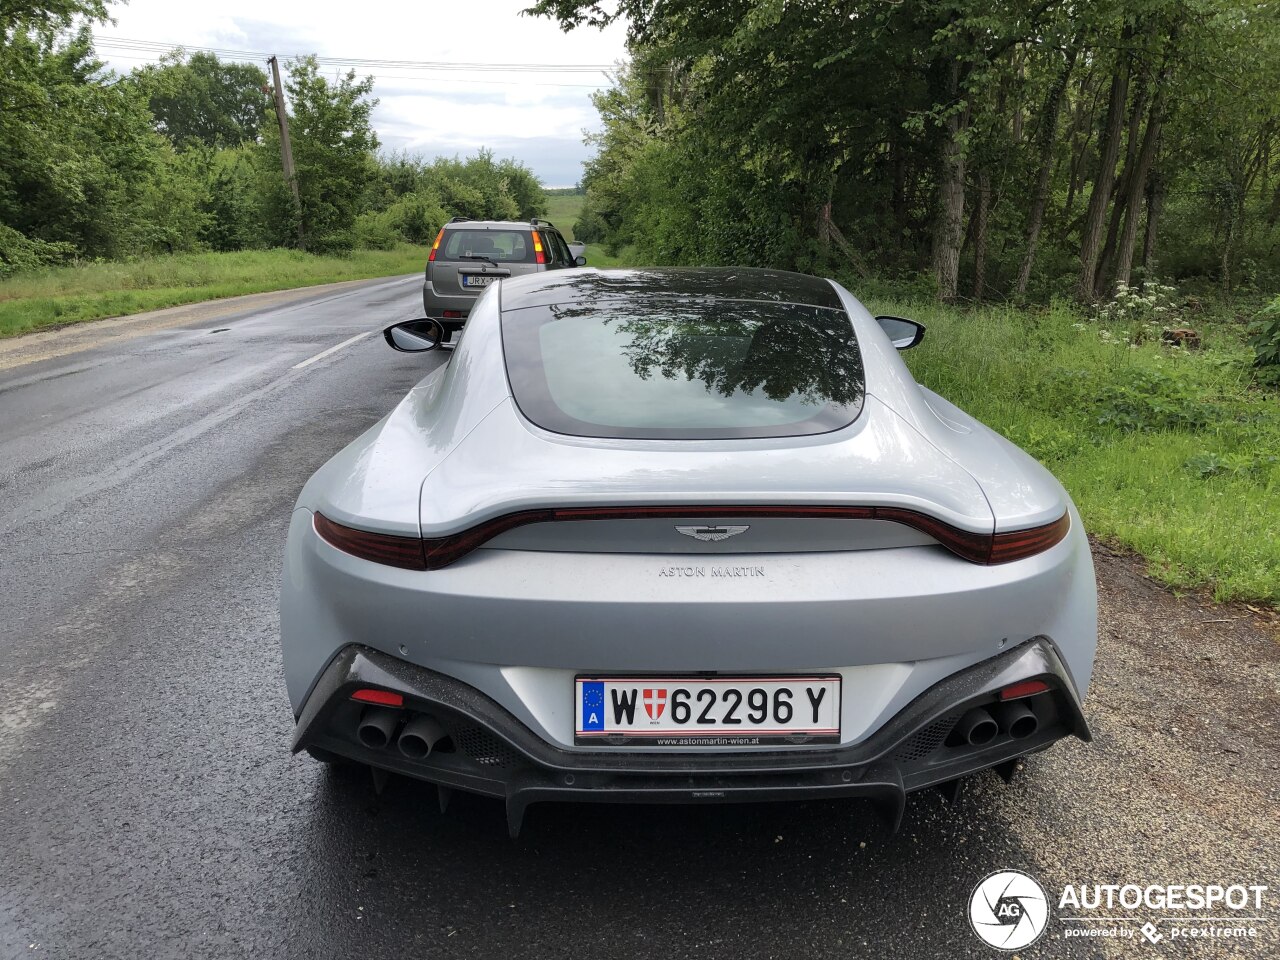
[(488, 751), (435, 304)]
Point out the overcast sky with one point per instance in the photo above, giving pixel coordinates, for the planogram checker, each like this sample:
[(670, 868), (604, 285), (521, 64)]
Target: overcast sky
[(538, 118)]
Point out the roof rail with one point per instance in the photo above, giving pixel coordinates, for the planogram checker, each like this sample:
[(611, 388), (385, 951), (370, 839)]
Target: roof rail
[(459, 219), (533, 222)]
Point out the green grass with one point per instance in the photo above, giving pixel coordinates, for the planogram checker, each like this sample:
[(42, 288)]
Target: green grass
[(598, 256), (1173, 453), (563, 210), (62, 295)]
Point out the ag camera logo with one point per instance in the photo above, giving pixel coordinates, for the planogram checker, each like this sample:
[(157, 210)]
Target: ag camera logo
[(1008, 910)]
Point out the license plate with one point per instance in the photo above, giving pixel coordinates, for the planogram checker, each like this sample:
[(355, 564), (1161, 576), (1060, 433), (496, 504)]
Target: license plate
[(469, 280), (707, 711)]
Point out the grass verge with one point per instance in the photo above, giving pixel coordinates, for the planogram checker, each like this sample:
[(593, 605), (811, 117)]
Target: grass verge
[(62, 295), (563, 210), (1173, 453)]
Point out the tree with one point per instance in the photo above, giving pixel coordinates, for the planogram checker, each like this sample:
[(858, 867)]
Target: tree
[(201, 99), (79, 161), (334, 154)]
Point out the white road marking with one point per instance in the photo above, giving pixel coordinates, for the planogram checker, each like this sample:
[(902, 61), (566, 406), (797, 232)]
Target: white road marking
[(334, 349)]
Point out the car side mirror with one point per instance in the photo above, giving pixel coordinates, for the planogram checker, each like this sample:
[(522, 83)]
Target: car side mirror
[(579, 261), (904, 333), (415, 336)]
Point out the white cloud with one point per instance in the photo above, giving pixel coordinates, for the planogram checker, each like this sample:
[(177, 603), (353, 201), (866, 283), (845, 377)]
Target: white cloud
[(455, 111)]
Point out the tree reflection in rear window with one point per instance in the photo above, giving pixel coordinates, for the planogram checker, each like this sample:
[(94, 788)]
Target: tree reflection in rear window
[(675, 369)]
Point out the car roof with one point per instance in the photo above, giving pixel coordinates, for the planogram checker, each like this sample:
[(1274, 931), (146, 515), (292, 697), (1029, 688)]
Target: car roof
[(495, 225), (689, 283)]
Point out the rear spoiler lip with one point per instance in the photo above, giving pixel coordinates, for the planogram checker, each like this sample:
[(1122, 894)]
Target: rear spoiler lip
[(438, 552)]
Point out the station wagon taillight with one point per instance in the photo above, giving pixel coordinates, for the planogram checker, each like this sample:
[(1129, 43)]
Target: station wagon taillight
[(435, 246), (538, 253)]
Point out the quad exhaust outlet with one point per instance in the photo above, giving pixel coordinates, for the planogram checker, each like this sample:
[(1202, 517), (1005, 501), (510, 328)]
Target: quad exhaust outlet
[(977, 727), (376, 726), (420, 735), (1017, 719)]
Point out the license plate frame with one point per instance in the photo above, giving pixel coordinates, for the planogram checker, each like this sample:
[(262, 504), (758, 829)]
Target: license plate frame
[(641, 710)]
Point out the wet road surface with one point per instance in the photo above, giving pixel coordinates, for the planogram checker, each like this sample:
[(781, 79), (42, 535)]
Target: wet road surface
[(149, 805)]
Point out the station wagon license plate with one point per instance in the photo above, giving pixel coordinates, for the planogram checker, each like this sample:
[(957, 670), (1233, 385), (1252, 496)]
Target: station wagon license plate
[(472, 280), (706, 711)]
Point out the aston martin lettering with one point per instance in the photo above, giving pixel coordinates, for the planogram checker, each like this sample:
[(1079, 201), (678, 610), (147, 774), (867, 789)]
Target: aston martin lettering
[(688, 572)]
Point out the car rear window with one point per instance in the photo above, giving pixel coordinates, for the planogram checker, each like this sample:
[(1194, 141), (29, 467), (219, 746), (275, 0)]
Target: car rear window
[(669, 368), (501, 246)]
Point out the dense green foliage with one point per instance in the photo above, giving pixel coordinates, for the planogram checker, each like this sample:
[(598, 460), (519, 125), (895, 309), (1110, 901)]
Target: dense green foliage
[(1015, 148), (1264, 337), (184, 156), (202, 99), (1172, 452)]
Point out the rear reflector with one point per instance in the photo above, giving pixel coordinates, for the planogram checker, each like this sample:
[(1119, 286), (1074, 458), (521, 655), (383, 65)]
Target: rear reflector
[(384, 697), (405, 552), (432, 554), (1026, 688), (452, 314), (435, 246)]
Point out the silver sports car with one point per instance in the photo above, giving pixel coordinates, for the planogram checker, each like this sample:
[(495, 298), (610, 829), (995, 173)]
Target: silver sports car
[(683, 536)]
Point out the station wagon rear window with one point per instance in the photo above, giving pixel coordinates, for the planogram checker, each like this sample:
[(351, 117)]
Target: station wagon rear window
[(501, 246), (670, 368)]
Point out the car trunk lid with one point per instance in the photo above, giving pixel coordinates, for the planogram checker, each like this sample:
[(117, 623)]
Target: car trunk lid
[(847, 490)]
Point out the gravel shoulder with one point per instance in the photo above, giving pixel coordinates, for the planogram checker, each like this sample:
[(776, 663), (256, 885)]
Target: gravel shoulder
[(1182, 781)]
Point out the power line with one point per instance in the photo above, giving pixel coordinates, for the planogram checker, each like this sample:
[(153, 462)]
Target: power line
[(420, 77), (159, 47)]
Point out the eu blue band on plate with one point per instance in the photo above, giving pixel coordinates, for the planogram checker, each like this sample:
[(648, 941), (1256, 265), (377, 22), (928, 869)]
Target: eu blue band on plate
[(593, 705)]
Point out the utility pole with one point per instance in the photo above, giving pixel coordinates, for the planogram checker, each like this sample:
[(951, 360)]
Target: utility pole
[(286, 149)]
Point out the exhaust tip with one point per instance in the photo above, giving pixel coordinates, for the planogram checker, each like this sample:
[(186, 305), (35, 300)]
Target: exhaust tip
[(1017, 719), (419, 736), (376, 726), (977, 727)]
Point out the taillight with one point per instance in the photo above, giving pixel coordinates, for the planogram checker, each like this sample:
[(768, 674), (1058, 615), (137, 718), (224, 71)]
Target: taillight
[(435, 246), (434, 553), (404, 552), (1020, 544), (386, 698), (537, 248)]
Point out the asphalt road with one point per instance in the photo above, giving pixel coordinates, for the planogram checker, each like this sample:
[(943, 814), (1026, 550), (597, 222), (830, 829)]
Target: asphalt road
[(149, 805)]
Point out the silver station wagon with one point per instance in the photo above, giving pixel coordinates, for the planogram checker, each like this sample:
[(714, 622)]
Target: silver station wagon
[(469, 255)]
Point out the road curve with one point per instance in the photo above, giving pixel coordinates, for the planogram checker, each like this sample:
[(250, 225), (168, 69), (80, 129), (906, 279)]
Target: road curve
[(149, 805)]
